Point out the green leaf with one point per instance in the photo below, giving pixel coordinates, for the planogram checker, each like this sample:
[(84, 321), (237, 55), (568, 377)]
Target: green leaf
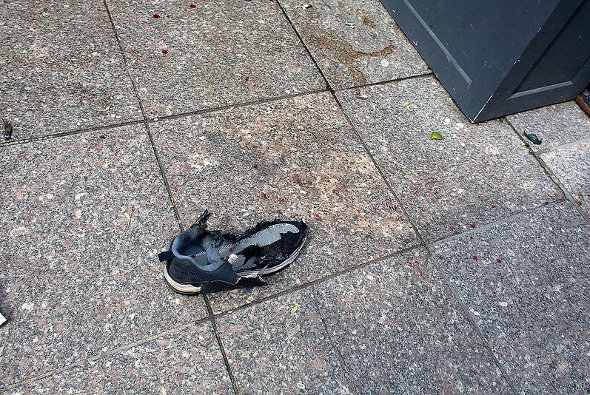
[(435, 136)]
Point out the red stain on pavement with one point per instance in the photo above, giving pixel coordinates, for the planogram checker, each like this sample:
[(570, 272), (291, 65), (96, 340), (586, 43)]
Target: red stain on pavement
[(498, 260), (165, 51), (193, 6), (475, 258), (391, 206), (156, 16)]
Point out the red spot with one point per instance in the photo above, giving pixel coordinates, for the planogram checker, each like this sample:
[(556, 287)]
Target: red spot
[(164, 51), (283, 200), (315, 216), (336, 191), (248, 0), (301, 181), (475, 258), (391, 206), (473, 226), (420, 273), (441, 257), (135, 52), (264, 196), (470, 237), (193, 6), (494, 206), (255, 166), (292, 216), (580, 203), (498, 260), (156, 16)]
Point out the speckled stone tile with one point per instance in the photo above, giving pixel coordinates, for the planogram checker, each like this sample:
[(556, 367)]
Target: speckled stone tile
[(557, 124), (83, 217), (281, 347), (295, 158), (526, 281), (61, 68), (398, 328), (354, 42), (571, 165), (476, 174), (217, 53), (186, 362)]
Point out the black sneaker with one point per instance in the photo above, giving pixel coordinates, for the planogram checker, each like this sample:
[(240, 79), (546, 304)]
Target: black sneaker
[(200, 261)]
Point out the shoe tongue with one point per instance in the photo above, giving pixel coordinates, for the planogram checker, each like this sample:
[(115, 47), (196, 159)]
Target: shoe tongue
[(213, 256)]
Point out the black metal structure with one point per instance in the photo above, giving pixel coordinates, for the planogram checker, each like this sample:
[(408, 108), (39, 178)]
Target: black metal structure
[(504, 56)]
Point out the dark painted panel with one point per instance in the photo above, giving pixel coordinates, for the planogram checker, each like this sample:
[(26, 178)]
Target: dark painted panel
[(572, 44), (483, 51)]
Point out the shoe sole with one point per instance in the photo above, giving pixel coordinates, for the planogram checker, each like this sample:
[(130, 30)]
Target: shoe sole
[(189, 289)]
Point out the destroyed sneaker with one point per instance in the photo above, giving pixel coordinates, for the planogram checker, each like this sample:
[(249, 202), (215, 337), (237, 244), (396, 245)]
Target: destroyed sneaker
[(200, 261)]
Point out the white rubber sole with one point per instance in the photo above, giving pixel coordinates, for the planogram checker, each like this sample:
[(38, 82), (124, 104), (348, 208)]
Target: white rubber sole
[(188, 289)]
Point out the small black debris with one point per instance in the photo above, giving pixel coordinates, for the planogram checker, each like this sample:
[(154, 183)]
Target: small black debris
[(533, 138), (7, 134)]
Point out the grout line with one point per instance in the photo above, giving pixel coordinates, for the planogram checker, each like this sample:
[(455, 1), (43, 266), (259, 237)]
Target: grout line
[(386, 82), (211, 317), (104, 354), (411, 221), (315, 63), (565, 145), (232, 378), (550, 173), (235, 105), (351, 377), (491, 224), (320, 280), (381, 172), (465, 310), (145, 120), (70, 133)]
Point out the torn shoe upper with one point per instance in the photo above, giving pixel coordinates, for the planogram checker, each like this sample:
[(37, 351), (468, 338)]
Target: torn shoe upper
[(200, 261)]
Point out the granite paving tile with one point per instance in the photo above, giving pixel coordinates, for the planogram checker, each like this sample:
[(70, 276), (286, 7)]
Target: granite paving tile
[(294, 158), (399, 329), (571, 165), (526, 281), (216, 53), (186, 362), (557, 124), (281, 347), (83, 217), (476, 174), (354, 42), (61, 69)]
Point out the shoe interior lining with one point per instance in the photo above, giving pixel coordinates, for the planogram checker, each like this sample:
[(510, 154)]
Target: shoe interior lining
[(195, 250)]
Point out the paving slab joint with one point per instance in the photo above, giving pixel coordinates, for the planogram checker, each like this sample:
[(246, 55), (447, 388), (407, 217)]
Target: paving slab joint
[(549, 172)]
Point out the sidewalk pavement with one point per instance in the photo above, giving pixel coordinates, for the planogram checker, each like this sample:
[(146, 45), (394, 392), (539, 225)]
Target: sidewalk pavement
[(452, 266)]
